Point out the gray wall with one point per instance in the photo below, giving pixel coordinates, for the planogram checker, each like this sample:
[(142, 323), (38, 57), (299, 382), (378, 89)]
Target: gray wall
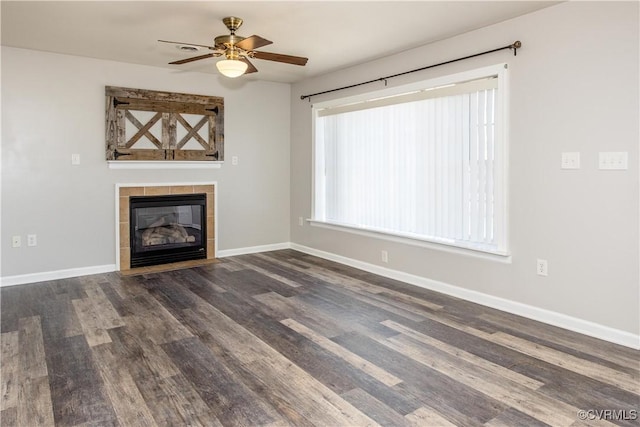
[(53, 106), (574, 87)]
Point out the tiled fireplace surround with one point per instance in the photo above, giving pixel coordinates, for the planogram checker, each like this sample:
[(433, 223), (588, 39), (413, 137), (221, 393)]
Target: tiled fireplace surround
[(125, 191)]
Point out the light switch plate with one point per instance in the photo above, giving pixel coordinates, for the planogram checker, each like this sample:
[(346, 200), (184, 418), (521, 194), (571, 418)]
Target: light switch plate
[(613, 160), (570, 160)]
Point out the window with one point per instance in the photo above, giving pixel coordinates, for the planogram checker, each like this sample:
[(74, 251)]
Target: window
[(425, 162)]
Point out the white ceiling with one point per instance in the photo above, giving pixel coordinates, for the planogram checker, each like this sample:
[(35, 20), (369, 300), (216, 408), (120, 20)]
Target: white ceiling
[(332, 34)]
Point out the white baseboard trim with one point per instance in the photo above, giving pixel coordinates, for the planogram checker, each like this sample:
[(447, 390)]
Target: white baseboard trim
[(22, 279), (564, 321), (253, 249)]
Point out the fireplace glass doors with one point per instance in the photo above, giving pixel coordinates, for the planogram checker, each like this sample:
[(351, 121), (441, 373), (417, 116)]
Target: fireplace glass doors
[(166, 229)]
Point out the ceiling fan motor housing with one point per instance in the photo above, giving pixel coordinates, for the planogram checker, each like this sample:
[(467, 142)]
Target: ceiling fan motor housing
[(227, 40)]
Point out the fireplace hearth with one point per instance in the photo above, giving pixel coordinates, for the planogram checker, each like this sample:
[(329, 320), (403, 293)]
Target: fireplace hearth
[(167, 228)]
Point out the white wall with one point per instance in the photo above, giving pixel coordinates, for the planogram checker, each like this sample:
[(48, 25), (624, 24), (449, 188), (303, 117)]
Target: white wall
[(53, 106), (574, 87)]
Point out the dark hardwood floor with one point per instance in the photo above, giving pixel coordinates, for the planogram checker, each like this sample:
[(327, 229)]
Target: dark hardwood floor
[(284, 338)]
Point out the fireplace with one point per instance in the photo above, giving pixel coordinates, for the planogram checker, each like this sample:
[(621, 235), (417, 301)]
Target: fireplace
[(125, 192), (167, 228)]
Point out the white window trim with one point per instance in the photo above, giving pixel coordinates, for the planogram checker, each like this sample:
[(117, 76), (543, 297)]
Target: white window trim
[(503, 252), (420, 241)]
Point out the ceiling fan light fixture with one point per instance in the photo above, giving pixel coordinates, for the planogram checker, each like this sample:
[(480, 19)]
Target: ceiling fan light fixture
[(236, 51), (231, 67)]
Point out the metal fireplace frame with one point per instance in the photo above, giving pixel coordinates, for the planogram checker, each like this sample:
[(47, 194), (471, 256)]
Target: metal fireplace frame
[(174, 254)]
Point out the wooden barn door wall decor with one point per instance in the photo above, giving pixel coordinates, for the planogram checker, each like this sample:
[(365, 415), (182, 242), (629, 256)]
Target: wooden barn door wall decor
[(152, 125)]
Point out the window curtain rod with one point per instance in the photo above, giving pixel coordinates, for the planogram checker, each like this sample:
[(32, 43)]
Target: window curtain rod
[(515, 46)]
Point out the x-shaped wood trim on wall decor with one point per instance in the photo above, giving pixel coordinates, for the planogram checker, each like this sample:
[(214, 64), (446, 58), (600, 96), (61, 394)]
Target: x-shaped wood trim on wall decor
[(123, 105)]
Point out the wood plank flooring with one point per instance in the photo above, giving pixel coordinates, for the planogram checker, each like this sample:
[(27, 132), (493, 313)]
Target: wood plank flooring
[(287, 339)]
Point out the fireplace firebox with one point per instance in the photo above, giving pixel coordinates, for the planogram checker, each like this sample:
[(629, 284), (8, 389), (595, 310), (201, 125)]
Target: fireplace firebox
[(165, 229)]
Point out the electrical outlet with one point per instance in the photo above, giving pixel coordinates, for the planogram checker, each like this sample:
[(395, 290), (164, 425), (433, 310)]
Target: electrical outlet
[(542, 267), (300, 221), (16, 242), (385, 256), (234, 160), (75, 159), (32, 240)]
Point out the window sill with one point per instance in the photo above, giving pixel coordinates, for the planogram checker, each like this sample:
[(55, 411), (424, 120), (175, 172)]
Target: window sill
[(153, 164), (503, 257)]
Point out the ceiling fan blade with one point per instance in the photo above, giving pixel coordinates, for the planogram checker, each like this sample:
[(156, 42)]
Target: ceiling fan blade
[(250, 67), (187, 44), (195, 58), (253, 42), (278, 57)]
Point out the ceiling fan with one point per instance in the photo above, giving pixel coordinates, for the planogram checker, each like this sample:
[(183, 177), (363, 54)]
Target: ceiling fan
[(237, 50)]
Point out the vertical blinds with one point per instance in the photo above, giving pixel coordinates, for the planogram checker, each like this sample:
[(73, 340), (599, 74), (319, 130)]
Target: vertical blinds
[(421, 164)]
